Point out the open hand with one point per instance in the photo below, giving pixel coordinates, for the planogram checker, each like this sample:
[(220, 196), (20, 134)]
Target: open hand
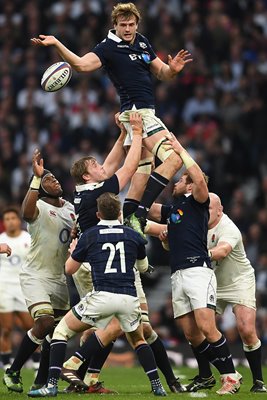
[(5, 249), (37, 163), (136, 123), (44, 40), (178, 62)]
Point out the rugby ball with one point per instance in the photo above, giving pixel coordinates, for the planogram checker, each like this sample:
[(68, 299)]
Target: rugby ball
[(56, 76)]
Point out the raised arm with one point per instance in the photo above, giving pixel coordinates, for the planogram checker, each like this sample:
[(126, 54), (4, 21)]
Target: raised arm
[(155, 212), (87, 63), (29, 209), (199, 187), (165, 72), (117, 154), (130, 165)]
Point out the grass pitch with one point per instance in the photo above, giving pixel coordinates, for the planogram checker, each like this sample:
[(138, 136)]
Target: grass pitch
[(131, 383)]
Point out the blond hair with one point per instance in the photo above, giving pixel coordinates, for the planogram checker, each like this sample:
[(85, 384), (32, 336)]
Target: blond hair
[(79, 168), (126, 10), (189, 179)]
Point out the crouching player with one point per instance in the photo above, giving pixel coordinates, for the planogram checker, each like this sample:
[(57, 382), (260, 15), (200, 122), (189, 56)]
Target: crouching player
[(105, 247)]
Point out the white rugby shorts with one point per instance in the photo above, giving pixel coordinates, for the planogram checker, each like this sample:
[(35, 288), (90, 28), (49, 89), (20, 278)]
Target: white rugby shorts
[(193, 288), (38, 289), (151, 123), (242, 292), (11, 298), (98, 308)]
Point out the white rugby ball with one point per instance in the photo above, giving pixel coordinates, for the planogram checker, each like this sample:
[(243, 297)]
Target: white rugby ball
[(56, 76)]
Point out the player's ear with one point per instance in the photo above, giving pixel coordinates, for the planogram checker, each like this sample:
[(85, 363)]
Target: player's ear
[(85, 177), (120, 217), (98, 215)]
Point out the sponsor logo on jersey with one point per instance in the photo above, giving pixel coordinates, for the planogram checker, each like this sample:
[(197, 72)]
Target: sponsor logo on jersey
[(52, 213), (176, 218), (212, 298), (213, 238), (146, 58), (123, 46), (72, 216), (142, 45)]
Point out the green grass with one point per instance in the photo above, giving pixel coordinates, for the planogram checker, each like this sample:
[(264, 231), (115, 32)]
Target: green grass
[(131, 383)]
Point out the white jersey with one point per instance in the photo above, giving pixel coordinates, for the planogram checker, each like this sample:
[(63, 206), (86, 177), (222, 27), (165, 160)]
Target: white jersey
[(236, 266), (50, 236), (10, 266)]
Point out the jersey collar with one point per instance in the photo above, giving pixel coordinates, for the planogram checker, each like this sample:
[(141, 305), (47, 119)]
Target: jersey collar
[(88, 186), (112, 36), (109, 222)]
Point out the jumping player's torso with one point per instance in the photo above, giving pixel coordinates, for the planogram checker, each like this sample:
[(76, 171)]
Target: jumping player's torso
[(128, 67), (111, 249), (187, 232), (85, 198)]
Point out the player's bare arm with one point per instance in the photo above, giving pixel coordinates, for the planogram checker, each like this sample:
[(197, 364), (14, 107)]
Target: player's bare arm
[(130, 165), (87, 63), (154, 229), (5, 249), (220, 251), (29, 209), (163, 71), (117, 154), (199, 187)]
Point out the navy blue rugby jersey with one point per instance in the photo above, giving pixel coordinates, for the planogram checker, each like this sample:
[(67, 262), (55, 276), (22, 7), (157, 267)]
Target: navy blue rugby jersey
[(187, 222), (111, 249), (85, 197), (127, 66)]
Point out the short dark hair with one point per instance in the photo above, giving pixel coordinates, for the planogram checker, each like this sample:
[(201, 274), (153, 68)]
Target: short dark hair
[(109, 205), (79, 168), (12, 209)]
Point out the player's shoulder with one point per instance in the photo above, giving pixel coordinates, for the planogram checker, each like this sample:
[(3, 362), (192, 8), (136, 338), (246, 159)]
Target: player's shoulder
[(227, 223)]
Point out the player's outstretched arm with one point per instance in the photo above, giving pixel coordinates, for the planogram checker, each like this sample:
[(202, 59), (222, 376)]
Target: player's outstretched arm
[(199, 187), (88, 62), (5, 249), (117, 154), (29, 209), (164, 71), (130, 165)]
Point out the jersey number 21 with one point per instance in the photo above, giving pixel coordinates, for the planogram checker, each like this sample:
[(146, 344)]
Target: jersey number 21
[(119, 247)]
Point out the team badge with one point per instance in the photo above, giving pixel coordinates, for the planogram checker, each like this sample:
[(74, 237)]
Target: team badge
[(213, 238), (52, 213), (142, 45)]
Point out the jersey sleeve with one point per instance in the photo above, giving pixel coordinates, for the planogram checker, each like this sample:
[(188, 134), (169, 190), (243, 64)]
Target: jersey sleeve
[(165, 210), (111, 185), (141, 252), (150, 50), (81, 250), (230, 234), (101, 50)]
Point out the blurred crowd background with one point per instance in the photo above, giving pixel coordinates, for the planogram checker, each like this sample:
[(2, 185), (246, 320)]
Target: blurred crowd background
[(217, 107)]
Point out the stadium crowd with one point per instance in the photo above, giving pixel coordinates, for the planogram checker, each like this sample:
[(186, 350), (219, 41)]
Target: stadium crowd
[(216, 106)]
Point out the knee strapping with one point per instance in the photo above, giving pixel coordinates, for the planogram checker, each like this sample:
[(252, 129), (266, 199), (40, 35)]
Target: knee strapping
[(145, 317), (253, 347), (160, 151), (62, 331), (42, 310), (33, 338), (145, 166), (152, 338)]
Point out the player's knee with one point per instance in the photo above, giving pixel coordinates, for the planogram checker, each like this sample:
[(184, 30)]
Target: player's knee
[(63, 332), (5, 332), (160, 151), (43, 326)]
